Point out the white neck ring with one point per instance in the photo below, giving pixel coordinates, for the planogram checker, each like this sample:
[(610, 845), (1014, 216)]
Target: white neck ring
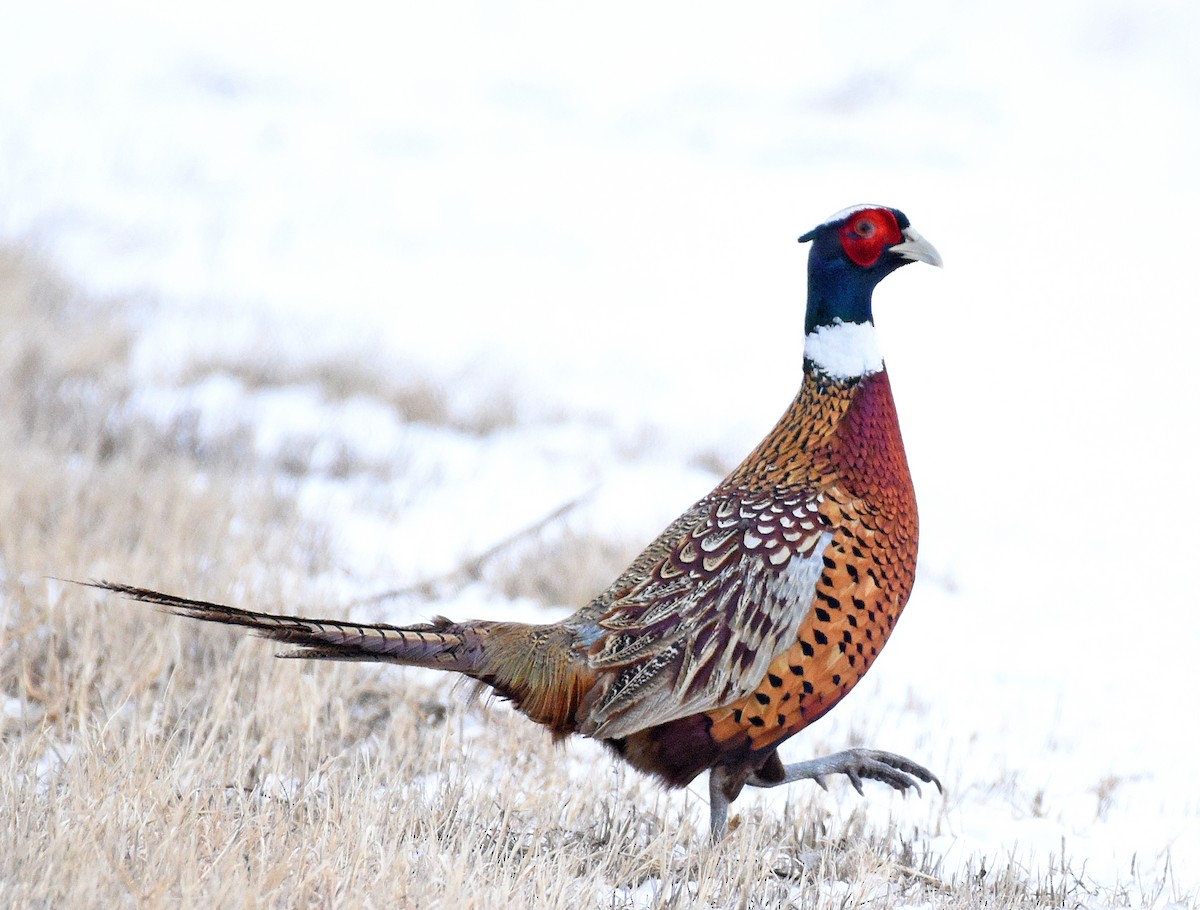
[(844, 350)]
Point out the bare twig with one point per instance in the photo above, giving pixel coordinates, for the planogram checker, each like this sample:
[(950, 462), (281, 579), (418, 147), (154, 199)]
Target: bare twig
[(462, 574)]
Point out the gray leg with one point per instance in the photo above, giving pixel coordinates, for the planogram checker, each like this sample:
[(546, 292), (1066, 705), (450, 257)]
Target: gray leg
[(724, 785), (718, 805), (896, 771)]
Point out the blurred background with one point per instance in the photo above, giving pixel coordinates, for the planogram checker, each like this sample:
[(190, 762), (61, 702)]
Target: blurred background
[(578, 226)]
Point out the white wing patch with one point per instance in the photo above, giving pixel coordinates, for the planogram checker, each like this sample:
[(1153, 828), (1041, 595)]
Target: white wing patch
[(800, 578)]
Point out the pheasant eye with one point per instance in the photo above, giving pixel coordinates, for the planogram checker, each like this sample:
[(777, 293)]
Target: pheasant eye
[(866, 234)]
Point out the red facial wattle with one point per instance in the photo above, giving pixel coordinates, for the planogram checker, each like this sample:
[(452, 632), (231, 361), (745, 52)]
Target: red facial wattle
[(868, 233)]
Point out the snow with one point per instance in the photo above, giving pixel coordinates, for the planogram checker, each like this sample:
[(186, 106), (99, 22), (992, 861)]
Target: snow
[(594, 212)]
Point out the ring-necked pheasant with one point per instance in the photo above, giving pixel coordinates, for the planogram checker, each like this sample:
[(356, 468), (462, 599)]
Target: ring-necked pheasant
[(749, 617)]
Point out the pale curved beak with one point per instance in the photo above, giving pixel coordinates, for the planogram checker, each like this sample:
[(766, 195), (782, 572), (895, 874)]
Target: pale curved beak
[(917, 248)]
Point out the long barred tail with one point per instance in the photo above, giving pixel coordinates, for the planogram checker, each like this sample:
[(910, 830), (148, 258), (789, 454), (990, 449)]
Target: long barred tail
[(440, 645), (533, 666)]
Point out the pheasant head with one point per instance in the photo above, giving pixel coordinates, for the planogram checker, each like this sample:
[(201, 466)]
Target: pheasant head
[(851, 253)]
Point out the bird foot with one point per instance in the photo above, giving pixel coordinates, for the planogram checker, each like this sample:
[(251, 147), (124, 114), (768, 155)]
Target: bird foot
[(896, 771)]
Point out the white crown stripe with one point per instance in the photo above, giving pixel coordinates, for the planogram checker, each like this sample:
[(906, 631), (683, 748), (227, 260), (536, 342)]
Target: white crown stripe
[(847, 212)]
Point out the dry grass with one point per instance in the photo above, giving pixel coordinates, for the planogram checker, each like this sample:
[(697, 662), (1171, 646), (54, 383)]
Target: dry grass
[(416, 399), (151, 763)]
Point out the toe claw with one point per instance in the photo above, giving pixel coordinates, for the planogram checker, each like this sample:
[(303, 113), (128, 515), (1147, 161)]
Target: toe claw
[(896, 771)]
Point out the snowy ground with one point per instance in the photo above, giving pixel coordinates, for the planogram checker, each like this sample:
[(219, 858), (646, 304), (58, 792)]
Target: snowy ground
[(586, 221)]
